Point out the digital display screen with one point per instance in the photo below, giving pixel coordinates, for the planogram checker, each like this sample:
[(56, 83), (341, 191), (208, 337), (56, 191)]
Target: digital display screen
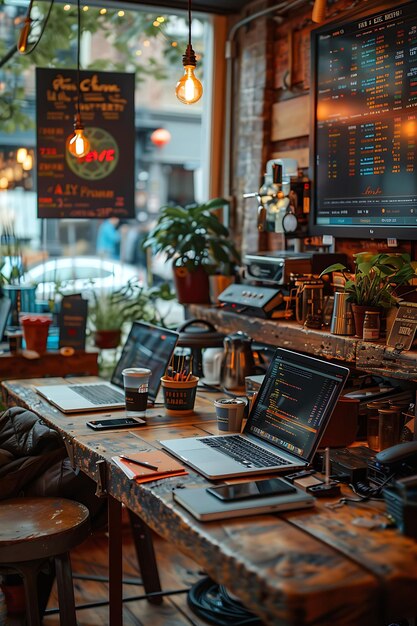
[(294, 402), (365, 135)]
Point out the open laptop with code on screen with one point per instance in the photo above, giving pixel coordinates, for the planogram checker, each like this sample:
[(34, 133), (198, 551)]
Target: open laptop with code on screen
[(146, 346), (285, 425)]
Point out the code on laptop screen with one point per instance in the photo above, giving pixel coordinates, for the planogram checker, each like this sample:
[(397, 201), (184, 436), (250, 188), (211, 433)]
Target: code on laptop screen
[(296, 402)]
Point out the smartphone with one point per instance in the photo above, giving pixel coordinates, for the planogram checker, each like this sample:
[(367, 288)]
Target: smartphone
[(253, 489), (120, 422)]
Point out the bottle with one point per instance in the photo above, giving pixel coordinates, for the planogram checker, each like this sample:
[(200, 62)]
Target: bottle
[(371, 325)]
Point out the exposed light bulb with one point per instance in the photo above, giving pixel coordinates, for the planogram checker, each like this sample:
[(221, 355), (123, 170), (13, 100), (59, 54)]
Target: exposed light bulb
[(189, 89), (24, 36), (21, 155), (78, 144)]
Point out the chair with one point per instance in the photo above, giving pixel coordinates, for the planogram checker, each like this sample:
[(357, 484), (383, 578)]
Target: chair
[(33, 530)]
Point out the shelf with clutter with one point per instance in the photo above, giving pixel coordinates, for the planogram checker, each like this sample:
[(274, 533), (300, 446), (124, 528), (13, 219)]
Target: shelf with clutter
[(370, 356)]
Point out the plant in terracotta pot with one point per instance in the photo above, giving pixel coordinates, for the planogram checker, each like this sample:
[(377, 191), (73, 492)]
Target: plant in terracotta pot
[(197, 242), (374, 283), (108, 312)]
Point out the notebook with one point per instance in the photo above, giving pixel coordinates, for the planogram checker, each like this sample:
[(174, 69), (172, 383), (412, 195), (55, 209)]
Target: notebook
[(166, 466), (206, 507), (146, 346), (285, 425)]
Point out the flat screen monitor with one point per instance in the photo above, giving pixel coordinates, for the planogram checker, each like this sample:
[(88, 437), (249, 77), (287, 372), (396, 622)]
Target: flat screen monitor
[(364, 139)]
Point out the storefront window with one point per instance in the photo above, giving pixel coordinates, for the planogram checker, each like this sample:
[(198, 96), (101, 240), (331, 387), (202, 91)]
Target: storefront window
[(169, 165)]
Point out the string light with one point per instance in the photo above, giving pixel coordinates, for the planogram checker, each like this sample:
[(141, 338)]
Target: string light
[(85, 8), (146, 43), (121, 13), (103, 11), (189, 89), (78, 145), (67, 7), (21, 155), (27, 163), (160, 19), (138, 53)]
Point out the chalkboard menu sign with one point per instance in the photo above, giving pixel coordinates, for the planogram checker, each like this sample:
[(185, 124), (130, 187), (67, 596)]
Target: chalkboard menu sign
[(100, 184)]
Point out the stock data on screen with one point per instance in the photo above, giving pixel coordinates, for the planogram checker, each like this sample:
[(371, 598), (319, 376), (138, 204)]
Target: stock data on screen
[(365, 121)]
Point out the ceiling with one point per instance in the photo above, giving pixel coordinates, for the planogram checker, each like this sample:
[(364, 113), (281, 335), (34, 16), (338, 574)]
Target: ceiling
[(210, 6)]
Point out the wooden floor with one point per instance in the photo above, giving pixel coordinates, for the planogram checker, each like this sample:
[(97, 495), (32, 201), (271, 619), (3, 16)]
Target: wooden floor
[(176, 572)]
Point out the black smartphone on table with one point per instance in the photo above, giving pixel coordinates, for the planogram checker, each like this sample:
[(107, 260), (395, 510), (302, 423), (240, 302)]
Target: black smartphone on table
[(252, 489), (119, 422)]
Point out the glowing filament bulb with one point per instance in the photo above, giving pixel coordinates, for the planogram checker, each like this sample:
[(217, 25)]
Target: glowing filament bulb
[(24, 36), (78, 144), (189, 89)]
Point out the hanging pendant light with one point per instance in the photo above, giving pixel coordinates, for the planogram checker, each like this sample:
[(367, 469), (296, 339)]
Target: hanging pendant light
[(319, 11), (78, 144), (22, 44), (189, 89)]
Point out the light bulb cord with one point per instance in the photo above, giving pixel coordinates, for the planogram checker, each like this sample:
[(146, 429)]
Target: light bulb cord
[(189, 23), (189, 57), (78, 60)]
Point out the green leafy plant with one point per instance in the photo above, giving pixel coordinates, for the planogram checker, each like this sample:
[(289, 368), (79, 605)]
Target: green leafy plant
[(376, 277), (134, 301), (193, 236)]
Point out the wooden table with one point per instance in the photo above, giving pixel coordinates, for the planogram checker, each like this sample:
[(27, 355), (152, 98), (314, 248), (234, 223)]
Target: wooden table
[(313, 567)]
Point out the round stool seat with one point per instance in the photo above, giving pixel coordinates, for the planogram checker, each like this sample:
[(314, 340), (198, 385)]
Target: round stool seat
[(38, 528)]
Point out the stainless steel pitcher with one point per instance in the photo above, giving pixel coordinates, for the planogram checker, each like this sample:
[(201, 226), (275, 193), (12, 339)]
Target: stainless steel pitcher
[(237, 361)]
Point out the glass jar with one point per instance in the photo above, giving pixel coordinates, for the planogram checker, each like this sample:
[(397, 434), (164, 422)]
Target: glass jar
[(403, 408), (372, 428), (389, 427), (371, 325)]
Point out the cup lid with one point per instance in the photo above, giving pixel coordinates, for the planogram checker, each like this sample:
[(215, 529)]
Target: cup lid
[(229, 402), (137, 372)]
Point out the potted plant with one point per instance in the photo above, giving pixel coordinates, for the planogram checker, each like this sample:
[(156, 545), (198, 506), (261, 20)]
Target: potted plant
[(108, 312), (198, 244), (374, 282)]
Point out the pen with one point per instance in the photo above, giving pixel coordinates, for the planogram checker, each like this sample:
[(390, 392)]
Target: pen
[(142, 463)]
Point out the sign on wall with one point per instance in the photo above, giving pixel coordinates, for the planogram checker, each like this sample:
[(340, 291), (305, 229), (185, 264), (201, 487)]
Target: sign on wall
[(102, 183)]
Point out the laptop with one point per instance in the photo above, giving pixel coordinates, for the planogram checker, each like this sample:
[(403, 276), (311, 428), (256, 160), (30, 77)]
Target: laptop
[(146, 346), (285, 425)]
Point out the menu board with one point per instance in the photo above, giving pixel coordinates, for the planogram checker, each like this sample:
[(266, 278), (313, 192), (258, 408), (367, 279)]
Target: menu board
[(100, 184)]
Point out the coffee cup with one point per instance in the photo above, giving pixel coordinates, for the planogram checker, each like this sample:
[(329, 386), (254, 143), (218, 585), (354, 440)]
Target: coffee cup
[(136, 384), (230, 413)]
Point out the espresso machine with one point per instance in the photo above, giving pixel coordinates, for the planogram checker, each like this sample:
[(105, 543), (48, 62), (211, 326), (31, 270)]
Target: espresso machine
[(283, 198)]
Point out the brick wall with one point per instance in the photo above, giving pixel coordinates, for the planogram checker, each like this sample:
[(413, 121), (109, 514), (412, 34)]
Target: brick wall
[(272, 65)]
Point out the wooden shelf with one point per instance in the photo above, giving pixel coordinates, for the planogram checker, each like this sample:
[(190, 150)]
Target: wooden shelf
[(376, 357), (49, 364)]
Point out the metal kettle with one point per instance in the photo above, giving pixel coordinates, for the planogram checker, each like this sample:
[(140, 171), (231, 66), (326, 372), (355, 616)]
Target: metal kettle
[(237, 362)]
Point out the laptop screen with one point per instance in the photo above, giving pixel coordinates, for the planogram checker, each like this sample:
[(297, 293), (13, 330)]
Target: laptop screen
[(295, 402), (147, 346)]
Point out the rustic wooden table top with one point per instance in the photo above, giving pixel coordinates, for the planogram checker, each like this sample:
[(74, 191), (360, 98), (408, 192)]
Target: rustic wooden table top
[(315, 567)]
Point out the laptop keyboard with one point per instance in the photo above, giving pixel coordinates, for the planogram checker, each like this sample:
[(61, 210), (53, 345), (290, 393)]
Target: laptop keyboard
[(244, 452), (99, 394)]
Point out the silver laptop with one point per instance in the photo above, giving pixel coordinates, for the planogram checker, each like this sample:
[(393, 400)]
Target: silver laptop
[(284, 428), (146, 346)]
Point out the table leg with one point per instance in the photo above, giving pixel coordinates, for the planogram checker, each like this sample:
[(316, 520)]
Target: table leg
[(142, 536), (115, 562)]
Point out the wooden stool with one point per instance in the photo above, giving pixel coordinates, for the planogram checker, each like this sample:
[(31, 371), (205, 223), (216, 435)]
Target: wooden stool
[(33, 530)]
